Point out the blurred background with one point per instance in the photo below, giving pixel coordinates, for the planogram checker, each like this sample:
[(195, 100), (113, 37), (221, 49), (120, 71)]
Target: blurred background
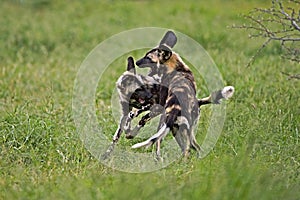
[(43, 43)]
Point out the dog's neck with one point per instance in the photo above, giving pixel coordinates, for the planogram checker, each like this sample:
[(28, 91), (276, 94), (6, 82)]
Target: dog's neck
[(176, 63), (172, 67)]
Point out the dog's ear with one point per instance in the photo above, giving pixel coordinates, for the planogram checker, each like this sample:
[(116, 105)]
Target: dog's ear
[(166, 52), (130, 65), (169, 39), (167, 55)]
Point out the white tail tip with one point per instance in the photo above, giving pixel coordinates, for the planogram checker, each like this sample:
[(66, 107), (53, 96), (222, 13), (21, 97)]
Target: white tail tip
[(227, 92)]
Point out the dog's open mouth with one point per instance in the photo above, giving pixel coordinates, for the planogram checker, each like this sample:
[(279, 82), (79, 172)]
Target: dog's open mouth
[(142, 101)]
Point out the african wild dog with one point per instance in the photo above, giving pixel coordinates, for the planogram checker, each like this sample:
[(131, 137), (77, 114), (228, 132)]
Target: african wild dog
[(135, 91), (142, 93), (181, 107)]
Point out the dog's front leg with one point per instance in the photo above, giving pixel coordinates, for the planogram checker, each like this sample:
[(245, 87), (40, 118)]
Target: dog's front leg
[(117, 134), (121, 127), (138, 127), (131, 116), (139, 111), (132, 133), (127, 123), (115, 139), (158, 143), (154, 111)]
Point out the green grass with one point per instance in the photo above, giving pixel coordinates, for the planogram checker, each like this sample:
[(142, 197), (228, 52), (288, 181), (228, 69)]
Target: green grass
[(42, 45)]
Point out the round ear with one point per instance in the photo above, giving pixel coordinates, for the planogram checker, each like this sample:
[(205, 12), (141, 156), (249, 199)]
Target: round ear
[(130, 64), (169, 39)]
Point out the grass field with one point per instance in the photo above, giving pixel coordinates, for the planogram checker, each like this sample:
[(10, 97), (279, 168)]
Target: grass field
[(43, 43)]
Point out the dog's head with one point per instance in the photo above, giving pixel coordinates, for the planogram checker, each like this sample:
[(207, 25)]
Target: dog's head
[(132, 87), (160, 54)]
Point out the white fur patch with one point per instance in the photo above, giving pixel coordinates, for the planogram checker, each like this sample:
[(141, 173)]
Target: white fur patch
[(227, 92)]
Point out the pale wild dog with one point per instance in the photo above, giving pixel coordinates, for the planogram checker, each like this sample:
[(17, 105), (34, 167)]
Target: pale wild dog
[(135, 92), (178, 97)]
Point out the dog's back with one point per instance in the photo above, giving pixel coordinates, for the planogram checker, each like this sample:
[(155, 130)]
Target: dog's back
[(180, 99)]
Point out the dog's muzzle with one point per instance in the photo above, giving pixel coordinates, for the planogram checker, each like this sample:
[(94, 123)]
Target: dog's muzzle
[(145, 62)]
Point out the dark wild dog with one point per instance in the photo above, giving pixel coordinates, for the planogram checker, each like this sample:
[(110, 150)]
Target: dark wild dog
[(181, 107)]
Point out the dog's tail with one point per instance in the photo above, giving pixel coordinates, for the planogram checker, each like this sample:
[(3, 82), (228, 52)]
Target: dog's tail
[(163, 131), (216, 96)]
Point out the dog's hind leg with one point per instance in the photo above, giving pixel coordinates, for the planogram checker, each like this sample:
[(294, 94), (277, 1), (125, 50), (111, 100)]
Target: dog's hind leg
[(179, 139), (158, 144), (194, 144), (186, 133), (182, 134), (158, 155)]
